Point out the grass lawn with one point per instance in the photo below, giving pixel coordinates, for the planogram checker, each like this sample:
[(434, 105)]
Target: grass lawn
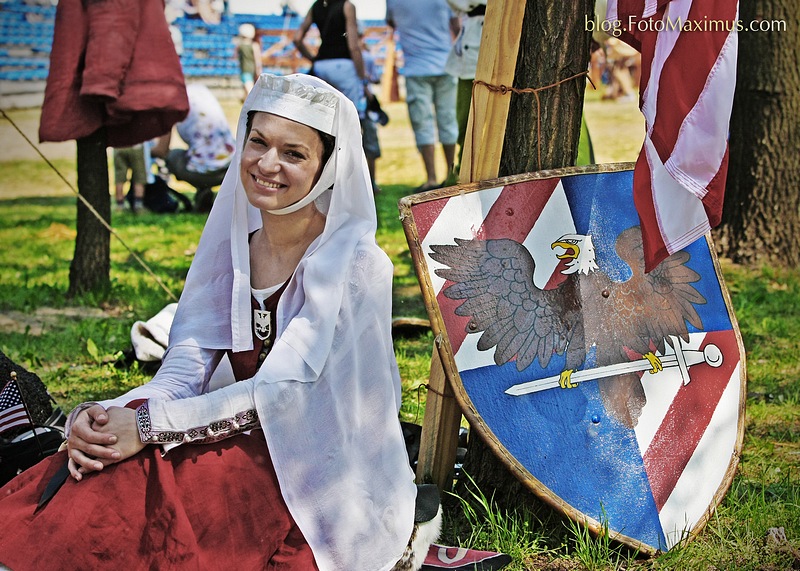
[(72, 344)]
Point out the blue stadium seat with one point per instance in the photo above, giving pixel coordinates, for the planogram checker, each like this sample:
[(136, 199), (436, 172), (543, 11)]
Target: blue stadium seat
[(209, 50)]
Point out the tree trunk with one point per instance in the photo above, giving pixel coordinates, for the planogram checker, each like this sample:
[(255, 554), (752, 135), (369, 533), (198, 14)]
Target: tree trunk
[(553, 47), (90, 267), (761, 220)]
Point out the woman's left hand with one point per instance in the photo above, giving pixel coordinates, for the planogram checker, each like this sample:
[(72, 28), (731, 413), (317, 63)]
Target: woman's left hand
[(122, 423)]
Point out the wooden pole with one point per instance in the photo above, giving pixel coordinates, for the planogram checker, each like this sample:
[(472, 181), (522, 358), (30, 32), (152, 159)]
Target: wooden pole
[(483, 146), (497, 61), (439, 438)]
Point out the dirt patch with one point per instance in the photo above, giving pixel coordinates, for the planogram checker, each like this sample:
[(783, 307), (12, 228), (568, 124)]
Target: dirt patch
[(38, 321), (13, 145), (545, 563)]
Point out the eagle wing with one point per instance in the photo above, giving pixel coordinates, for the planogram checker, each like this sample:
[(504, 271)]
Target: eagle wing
[(638, 315), (495, 280), (675, 297), (666, 297)]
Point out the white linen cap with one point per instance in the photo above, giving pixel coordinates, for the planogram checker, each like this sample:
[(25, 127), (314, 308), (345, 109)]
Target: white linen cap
[(297, 101)]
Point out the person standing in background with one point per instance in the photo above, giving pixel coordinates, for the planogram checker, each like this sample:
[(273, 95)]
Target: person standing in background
[(426, 29), (248, 53), (462, 63), (130, 160), (369, 129), (338, 60)]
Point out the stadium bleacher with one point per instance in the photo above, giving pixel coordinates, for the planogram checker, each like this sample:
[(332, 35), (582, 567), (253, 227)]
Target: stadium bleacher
[(26, 34)]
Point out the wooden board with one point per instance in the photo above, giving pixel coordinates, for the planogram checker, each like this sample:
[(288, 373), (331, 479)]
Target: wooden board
[(647, 455), (480, 160)]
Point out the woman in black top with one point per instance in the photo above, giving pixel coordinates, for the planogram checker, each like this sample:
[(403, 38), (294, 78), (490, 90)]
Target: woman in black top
[(338, 60)]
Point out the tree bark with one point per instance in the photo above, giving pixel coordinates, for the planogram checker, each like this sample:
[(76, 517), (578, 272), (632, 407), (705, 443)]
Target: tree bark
[(554, 46), (90, 267), (761, 220)]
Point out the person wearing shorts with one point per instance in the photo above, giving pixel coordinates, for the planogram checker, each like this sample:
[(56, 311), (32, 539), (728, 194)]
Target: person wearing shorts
[(130, 160), (369, 127), (248, 53), (431, 102), (430, 91)]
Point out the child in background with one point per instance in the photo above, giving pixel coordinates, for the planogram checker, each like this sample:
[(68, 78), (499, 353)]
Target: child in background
[(248, 52), (133, 160)]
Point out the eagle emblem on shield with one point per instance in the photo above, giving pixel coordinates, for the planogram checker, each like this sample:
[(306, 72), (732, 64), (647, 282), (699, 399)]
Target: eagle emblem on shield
[(583, 308)]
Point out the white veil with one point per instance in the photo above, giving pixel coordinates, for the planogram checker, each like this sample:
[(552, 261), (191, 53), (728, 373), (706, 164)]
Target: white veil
[(221, 265), (328, 393)]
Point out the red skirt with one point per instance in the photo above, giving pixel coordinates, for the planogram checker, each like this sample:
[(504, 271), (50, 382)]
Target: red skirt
[(200, 507)]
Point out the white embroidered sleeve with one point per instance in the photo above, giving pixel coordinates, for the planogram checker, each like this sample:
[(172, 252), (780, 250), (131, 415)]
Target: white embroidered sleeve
[(201, 419)]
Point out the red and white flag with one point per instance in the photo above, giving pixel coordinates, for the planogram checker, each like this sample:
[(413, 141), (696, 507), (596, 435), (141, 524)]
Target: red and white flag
[(689, 50)]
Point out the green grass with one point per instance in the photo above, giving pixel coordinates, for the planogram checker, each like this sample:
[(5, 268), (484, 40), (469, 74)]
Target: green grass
[(74, 352), (482, 523)]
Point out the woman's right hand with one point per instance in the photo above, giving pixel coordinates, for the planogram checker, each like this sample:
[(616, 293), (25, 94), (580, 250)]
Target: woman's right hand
[(90, 450)]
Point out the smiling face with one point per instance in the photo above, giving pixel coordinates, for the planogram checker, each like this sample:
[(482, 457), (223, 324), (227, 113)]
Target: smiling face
[(281, 161)]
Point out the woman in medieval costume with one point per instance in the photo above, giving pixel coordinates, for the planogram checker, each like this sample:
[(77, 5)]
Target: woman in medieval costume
[(301, 464)]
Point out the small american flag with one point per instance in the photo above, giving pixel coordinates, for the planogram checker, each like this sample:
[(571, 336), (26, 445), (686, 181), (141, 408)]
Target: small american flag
[(12, 409)]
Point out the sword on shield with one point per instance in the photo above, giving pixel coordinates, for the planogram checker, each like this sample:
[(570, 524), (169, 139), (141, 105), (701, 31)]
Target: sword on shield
[(681, 358)]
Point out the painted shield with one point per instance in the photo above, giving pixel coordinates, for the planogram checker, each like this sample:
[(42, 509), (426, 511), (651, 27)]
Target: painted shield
[(618, 395)]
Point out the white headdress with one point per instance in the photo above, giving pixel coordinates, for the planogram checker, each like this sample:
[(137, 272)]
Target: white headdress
[(328, 393), (215, 272)]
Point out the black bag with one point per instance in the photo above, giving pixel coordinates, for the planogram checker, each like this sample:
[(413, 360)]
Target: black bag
[(27, 449), (374, 111), (160, 198)]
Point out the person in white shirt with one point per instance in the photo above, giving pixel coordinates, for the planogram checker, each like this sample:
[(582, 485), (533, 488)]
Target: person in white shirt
[(463, 62), (209, 146)]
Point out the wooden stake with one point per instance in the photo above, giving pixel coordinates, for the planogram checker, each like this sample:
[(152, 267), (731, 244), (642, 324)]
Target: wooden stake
[(486, 128), (497, 61), (439, 439)]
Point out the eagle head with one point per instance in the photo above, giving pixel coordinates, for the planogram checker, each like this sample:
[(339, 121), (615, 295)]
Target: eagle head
[(580, 252)]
